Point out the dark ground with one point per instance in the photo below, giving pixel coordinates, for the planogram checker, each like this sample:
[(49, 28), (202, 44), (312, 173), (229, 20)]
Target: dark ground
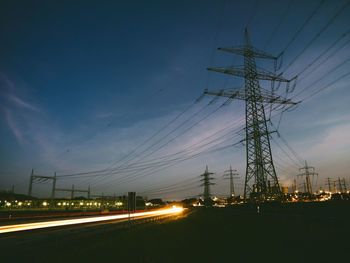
[(307, 232)]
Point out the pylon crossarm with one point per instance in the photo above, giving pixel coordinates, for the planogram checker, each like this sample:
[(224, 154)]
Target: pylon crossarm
[(206, 178), (203, 184), (241, 50), (254, 135), (239, 71), (206, 174), (241, 94), (40, 176)]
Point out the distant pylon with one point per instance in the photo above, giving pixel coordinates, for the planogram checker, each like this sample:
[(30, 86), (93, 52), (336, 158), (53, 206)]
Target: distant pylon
[(231, 173), (308, 171), (261, 182), (295, 185), (340, 185), (344, 185), (207, 183), (329, 184)]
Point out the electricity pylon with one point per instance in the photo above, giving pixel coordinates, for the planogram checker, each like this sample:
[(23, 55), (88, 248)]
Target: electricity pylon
[(260, 171), (307, 171), (340, 185), (207, 183), (344, 185), (231, 173), (329, 184)]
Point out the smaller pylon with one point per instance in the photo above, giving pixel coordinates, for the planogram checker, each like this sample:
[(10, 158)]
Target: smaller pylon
[(329, 184), (207, 183), (295, 185), (340, 185), (344, 185), (307, 171), (231, 173)]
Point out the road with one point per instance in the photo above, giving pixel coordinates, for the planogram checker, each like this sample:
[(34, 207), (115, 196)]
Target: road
[(88, 221)]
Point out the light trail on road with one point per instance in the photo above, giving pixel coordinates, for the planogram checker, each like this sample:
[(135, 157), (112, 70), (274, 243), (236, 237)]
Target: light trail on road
[(38, 225)]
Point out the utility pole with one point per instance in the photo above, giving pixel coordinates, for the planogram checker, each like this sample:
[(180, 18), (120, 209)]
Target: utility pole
[(39, 178), (73, 190), (260, 171), (207, 183), (307, 171), (53, 187), (329, 184), (31, 183), (231, 173)]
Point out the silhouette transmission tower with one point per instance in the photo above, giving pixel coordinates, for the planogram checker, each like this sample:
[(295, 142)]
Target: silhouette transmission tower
[(232, 175), (308, 171), (261, 182), (207, 183)]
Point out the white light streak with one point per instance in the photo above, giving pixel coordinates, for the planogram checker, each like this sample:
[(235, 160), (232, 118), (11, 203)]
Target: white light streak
[(31, 226)]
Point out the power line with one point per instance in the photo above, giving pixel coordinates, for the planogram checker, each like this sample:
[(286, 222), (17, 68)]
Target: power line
[(326, 59), (167, 165), (169, 133), (323, 76), (189, 147), (290, 158), (283, 16), (173, 187), (159, 131), (179, 158), (183, 132), (175, 136), (140, 145), (185, 159), (325, 51), (186, 180), (327, 86), (319, 33), (303, 26), (192, 147), (288, 146)]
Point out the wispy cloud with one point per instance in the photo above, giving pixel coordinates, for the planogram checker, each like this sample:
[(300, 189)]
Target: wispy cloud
[(7, 82), (13, 127), (21, 103), (334, 141), (18, 112)]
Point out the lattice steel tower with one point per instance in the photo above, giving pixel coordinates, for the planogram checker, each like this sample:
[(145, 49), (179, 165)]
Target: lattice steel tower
[(207, 183), (261, 182), (308, 171)]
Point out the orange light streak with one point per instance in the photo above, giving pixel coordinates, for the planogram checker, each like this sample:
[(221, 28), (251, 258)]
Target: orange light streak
[(38, 225)]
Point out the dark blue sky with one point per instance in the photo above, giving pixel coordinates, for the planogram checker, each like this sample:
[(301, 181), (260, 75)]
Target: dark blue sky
[(83, 82)]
